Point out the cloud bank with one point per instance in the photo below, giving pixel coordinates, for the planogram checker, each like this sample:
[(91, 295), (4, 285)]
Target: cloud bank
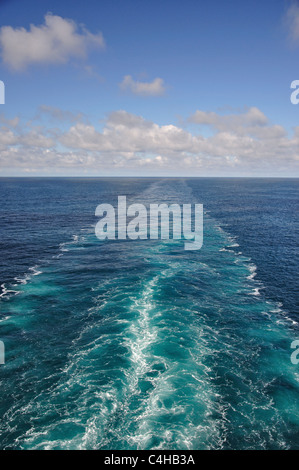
[(54, 42), (239, 144)]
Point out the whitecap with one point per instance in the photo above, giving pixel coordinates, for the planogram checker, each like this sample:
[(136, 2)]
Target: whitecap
[(252, 269)]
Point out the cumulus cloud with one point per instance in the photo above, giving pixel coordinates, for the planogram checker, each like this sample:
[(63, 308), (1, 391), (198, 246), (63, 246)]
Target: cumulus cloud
[(252, 124), (154, 88), (125, 132), (241, 144), (252, 118), (54, 42), (17, 136)]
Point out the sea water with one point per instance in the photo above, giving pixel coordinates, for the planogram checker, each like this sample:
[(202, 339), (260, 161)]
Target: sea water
[(140, 344)]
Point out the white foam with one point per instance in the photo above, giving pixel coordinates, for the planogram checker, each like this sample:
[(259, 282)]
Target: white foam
[(226, 249), (278, 309), (256, 291), (252, 269), (65, 246), (35, 271), (6, 291), (5, 318), (62, 246)]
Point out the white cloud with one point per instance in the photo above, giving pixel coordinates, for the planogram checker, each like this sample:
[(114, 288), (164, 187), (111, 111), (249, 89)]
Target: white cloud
[(292, 18), (252, 118), (241, 144), (54, 42), (125, 132), (154, 88)]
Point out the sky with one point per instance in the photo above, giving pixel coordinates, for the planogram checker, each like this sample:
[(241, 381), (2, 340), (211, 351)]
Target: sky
[(149, 88)]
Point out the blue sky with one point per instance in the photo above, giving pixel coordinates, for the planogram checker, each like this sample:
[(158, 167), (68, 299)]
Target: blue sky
[(149, 88)]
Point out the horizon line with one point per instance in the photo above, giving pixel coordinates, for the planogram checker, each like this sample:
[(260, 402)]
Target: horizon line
[(143, 176)]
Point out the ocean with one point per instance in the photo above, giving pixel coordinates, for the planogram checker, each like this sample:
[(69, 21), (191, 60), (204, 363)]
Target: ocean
[(140, 344)]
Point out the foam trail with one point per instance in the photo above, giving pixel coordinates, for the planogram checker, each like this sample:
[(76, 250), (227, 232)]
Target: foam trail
[(143, 345)]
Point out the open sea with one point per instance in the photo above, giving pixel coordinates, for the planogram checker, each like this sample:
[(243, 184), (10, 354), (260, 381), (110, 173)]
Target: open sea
[(141, 344)]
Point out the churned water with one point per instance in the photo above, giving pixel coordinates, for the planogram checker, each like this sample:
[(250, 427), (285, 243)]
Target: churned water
[(140, 344)]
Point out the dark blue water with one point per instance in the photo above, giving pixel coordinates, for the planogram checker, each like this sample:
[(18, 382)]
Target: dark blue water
[(141, 344)]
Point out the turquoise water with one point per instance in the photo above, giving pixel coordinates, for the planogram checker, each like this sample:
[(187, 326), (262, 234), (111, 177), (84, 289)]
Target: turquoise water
[(141, 344)]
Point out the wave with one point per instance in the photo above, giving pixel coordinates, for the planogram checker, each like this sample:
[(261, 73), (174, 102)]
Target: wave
[(161, 348)]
